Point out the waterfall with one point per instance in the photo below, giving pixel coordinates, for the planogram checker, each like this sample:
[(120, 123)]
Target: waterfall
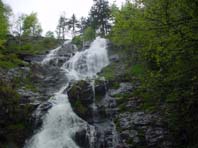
[(60, 123), (87, 63), (92, 83), (53, 54)]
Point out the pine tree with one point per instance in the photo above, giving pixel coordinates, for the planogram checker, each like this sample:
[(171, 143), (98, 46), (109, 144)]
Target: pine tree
[(73, 23), (62, 27), (99, 16)]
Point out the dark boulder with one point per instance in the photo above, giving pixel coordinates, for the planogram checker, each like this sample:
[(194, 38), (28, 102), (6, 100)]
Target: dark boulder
[(82, 139)]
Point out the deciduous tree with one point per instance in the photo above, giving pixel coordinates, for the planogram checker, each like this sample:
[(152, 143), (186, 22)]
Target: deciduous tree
[(31, 26)]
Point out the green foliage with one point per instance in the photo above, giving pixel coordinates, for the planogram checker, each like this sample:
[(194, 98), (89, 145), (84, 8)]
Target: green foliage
[(49, 34), (3, 23), (30, 45), (77, 40), (73, 24), (8, 94), (163, 35), (62, 27), (114, 9), (115, 85), (16, 46), (137, 70), (8, 61), (109, 72), (89, 34), (19, 25), (126, 29), (123, 96), (14, 117), (31, 26), (99, 16)]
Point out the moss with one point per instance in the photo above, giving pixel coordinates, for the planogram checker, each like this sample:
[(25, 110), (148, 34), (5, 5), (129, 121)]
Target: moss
[(115, 85), (15, 118), (74, 91), (29, 84), (123, 96), (109, 72), (26, 82), (148, 107), (8, 93), (136, 70), (80, 107), (8, 61), (117, 124), (122, 108)]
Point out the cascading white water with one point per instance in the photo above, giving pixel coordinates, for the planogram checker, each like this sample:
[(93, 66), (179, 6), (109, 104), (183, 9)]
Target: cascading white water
[(89, 62), (52, 54), (60, 123)]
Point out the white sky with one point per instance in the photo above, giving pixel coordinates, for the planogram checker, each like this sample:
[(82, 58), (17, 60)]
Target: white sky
[(49, 11)]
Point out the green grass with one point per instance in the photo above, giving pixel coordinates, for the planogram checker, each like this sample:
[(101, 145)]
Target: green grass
[(24, 45), (136, 70), (8, 61), (109, 72), (30, 45)]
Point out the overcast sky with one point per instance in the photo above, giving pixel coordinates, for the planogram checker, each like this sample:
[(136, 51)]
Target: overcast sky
[(48, 11)]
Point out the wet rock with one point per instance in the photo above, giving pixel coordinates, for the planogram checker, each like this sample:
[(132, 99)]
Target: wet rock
[(124, 88), (11, 74), (66, 49), (100, 88), (86, 100), (129, 134), (37, 116), (86, 45), (82, 139), (28, 96), (80, 95), (48, 79), (81, 90), (128, 119), (140, 118), (114, 58), (133, 103), (154, 135), (31, 58), (143, 129), (125, 120), (130, 137)]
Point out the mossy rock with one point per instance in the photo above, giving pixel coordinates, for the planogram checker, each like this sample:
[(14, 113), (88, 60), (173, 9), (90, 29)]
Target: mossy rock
[(81, 90)]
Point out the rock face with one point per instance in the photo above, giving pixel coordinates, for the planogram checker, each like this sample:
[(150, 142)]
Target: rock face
[(92, 104), (16, 103), (113, 117), (81, 98), (138, 128)]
